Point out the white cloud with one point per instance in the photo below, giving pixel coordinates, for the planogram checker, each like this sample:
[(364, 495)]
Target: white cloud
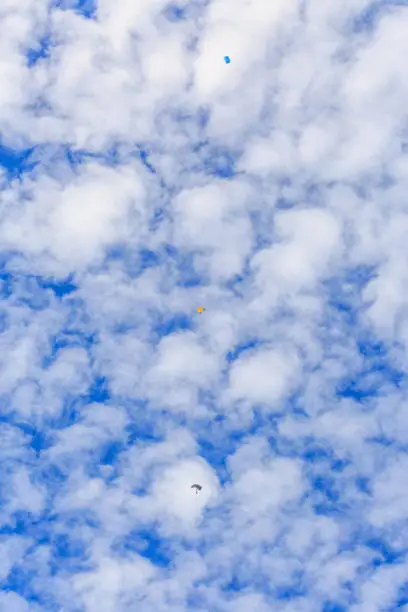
[(307, 239), (212, 219), (73, 223), (381, 588), (180, 359), (172, 496), (12, 601), (112, 583), (99, 425), (390, 499), (265, 376), (12, 549), (260, 491)]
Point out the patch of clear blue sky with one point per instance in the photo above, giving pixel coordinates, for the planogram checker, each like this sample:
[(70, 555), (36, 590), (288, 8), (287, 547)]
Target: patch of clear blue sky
[(369, 17), (306, 191), (402, 599), (15, 161), (60, 287), (142, 429), (216, 455), (6, 279), (217, 442), (330, 606), (295, 589), (193, 10), (40, 51), (134, 260), (215, 159), (344, 310), (171, 324), (182, 262), (86, 8), (29, 290), (48, 155), (112, 156), (68, 553), (383, 554), (175, 12), (148, 544), (67, 338), (19, 523), (4, 320), (99, 390), (70, 413), (249, 345)]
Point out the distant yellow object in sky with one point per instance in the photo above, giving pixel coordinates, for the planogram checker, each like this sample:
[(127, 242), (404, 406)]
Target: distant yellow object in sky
[(200, 309)]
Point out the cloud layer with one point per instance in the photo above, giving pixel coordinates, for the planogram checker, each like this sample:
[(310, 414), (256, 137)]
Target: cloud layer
[(142, 177)]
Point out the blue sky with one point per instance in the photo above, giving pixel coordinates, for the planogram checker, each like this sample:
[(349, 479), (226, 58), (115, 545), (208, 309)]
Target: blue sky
[(141, 177)]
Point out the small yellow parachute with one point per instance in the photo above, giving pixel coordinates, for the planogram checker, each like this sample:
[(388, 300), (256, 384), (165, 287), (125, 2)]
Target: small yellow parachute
[(200, 309)]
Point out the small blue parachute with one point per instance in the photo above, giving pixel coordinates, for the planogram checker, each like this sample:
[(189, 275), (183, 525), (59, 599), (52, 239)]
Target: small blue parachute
[(227, 60)]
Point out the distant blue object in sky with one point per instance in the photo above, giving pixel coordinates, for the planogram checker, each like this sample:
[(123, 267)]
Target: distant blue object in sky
[(227, 59)]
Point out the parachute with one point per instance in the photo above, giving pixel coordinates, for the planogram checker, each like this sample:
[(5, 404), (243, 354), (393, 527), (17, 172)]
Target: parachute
[(227, 60), (197, 488), (200, 309)]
